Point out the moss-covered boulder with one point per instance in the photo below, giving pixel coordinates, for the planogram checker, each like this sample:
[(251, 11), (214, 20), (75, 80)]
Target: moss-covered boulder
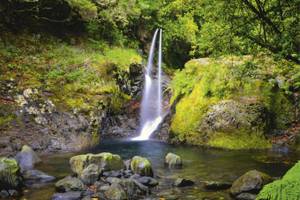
[(230, 102), (10, 177), (115, 192), (90, 174), (173, 161), (69, 184), (106, 162), (142, 166), (284, 189), (250, 182)]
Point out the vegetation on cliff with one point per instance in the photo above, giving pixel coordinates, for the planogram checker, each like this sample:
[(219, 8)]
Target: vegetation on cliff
[(233, 102)]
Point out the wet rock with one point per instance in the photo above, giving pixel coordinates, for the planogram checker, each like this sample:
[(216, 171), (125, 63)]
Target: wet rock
[(36, 176), (245, 196), (142, 187), (6, 194), (127, 164), (181, 182), (106, 162), (69, 184), (130, 187), (67, 196), (27, 158), (142, 166), (215, 185), (10, 176), (112, 180), (148, 181), (90, 174), (250, 182), (173, 160), (116, 174), (115, 192)]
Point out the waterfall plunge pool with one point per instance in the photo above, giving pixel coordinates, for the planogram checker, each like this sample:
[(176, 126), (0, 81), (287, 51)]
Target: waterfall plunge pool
[(200, 164)]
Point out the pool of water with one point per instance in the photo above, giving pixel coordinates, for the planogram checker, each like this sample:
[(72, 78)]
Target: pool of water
[(200, 164)]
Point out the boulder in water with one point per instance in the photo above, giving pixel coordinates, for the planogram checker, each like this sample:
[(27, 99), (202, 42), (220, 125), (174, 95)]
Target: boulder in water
[(116, 192), (106, 162), (36, 176), (250, 182), (142, 166), (173, 160), (90, 174), (69, 184), (10, 176), (216, 185), (147, 181), (27, 158), (181, 182)]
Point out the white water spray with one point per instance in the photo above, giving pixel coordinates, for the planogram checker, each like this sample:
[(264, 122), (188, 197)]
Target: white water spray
[(151, 106)]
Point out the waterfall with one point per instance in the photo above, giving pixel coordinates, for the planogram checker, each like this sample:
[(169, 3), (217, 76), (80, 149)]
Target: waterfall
[(151, 107)]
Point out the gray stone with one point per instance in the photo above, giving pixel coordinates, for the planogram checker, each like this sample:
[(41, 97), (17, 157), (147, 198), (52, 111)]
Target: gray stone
[(115, 192), (250, 182), (69, 184), (37, 176), (173, 160), (181, 182), (67, 196), (148, 181), (90, 174), (27, 158), (215, 185)]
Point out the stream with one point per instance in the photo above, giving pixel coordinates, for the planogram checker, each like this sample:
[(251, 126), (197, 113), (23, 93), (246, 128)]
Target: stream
[(200, 164)]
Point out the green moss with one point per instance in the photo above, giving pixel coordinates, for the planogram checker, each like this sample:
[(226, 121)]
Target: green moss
[(284, 189), (141, 165), (239, 140)]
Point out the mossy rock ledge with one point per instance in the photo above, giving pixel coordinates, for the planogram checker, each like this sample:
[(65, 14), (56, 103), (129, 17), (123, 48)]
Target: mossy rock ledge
[(230, 102)]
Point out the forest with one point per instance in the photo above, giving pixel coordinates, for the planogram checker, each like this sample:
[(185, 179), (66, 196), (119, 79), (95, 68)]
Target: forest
[(150, 99)]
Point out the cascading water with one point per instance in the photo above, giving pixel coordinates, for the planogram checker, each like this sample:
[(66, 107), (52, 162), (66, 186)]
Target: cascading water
[(151, 106)]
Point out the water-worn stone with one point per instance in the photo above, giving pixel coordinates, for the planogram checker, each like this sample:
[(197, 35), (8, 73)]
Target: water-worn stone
[(116, 174), (215, 185), (36, 176), (147, 181), (69, 184), (90, 174), (67, 196), (106, 161), (181, 182), (115, 192), (10, 176), (173, 160), (142, 166), (27, 158), (250, 182), (112, 180)]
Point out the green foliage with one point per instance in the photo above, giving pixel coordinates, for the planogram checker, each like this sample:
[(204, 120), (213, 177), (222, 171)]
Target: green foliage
[(286, 188), (78, 76), (86, 9)]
